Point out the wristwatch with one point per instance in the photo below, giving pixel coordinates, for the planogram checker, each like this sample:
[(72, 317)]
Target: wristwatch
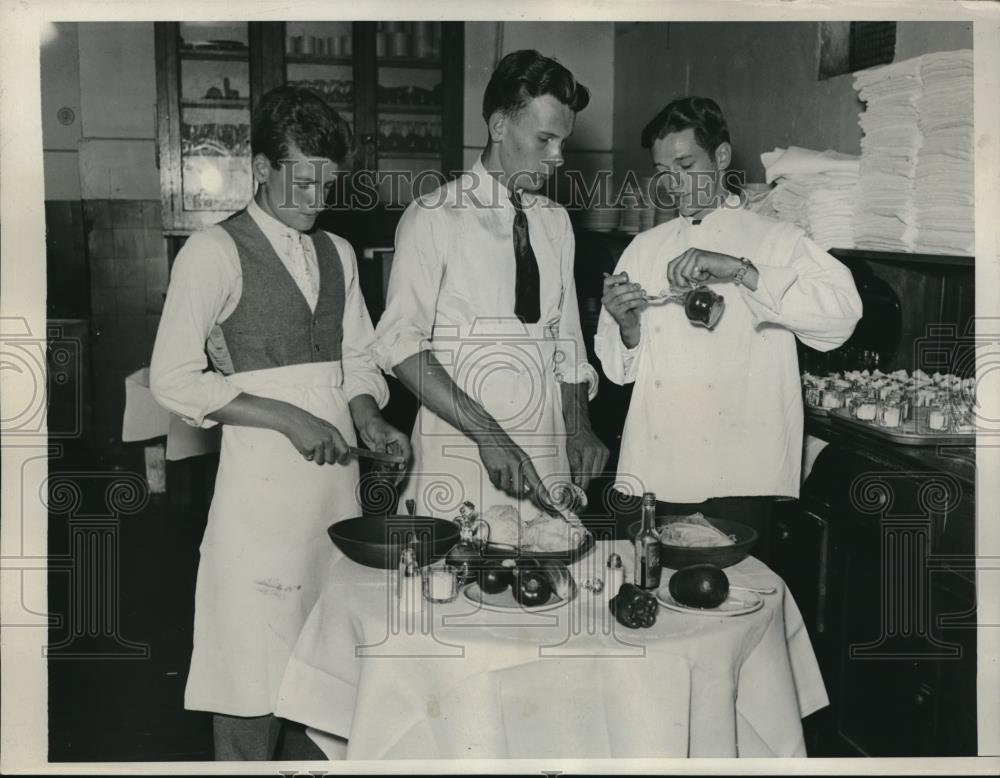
[(741, 271)]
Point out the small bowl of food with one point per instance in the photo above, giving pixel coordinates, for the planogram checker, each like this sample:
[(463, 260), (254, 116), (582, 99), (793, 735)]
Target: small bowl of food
[(697, 540)]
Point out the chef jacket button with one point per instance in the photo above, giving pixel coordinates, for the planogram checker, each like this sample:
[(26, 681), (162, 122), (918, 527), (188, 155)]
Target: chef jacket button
[(316, 346), (657, 383), (656, 329), (656, 437)]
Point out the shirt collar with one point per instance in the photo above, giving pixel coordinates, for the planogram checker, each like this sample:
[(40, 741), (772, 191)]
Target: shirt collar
[(273, 229), (489, 191)]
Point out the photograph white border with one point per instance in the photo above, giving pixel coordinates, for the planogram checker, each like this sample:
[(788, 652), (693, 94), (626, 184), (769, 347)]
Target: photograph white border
[(24, 744)]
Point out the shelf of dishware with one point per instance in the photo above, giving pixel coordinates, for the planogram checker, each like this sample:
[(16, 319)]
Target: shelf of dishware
[(408, 62), (318, 59), (240, 103), (386, 108), (409, 155), (412, 139), (208, 55)]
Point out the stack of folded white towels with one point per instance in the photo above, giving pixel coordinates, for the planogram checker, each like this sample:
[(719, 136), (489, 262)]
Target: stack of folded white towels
[(814, 189), (885, 214), (945, 184), (916, 186)]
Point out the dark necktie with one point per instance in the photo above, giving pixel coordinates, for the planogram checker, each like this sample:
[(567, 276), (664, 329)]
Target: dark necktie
[(527, 305)]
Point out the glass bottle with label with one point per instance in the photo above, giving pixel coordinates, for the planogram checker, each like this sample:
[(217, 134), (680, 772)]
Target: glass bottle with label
[(647, 547)]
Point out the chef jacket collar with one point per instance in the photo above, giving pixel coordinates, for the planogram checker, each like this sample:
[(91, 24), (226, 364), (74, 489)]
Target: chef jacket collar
[(731, 202)]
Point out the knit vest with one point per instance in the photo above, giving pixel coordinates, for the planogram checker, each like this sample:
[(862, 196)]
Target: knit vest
[(272, 324)]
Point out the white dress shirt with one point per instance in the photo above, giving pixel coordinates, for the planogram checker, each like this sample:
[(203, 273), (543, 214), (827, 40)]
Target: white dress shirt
[(205, 286), (452, 291), (719, 413), (454, 269)]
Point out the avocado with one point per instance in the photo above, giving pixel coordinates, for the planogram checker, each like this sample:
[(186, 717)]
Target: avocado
[(699, 586)]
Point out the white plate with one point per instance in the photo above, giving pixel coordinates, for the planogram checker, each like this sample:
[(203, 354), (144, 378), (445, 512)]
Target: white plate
[(504, 602), (739, 602)]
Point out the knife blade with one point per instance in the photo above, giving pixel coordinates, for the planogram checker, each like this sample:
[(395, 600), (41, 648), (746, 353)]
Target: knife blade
[(378, 456)]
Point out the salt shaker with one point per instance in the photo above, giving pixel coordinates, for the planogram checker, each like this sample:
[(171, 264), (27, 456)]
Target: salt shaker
[(408, 579), (614, 576)]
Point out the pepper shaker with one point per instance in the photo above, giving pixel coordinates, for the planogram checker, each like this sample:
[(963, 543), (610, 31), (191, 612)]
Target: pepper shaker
[(614, 576), (408, 586)]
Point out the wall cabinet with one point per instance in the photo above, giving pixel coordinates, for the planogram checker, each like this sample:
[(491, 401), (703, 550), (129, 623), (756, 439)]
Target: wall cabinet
[(399, 85)]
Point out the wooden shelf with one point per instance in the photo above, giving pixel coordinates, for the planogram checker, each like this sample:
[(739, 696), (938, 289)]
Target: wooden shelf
[(311, 59), (902, 257), (409, 155), (396, 108), (212, 55), (242, 103), (409, 62)]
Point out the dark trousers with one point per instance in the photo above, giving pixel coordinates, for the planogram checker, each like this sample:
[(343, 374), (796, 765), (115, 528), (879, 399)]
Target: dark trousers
[(755, 512), (261, 738)]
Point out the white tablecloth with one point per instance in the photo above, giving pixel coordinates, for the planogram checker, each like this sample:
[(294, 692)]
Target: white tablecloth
[(145, 419), (462, 682)]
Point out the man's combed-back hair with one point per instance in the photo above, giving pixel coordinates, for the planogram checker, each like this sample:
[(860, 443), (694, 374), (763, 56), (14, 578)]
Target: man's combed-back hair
[(523, 75)]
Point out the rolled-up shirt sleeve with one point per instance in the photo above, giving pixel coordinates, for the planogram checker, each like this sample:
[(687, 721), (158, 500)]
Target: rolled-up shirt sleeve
[(202, 281), (361, 374), (811, 294), (414, 285), (571, 366), (620, 363)]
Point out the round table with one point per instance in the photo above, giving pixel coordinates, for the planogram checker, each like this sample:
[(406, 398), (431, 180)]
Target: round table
[(456, 680)]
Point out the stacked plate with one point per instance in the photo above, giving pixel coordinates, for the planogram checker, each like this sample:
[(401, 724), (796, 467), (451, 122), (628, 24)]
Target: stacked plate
[(630, 220), (601, 219), (639, 213)]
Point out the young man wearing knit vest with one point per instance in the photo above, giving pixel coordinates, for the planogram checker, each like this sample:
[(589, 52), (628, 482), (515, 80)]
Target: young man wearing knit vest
[(277, 308)]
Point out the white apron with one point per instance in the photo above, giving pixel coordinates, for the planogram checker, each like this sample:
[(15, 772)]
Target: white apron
[(507, 367), (265, 550)]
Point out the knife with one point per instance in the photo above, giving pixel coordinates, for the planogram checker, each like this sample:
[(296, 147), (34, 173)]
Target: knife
[(378, 456)]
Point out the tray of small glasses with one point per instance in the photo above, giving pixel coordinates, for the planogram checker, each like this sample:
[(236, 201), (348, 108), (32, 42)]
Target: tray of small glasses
[(914, 431)]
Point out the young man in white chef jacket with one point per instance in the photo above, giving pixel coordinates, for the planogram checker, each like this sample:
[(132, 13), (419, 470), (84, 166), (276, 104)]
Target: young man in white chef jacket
[(277, 306), (715, 421), (481, 320)]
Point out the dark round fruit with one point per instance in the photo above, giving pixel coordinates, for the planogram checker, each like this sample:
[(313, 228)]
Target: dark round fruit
[(532, 589), (495, 578), (699, 586)]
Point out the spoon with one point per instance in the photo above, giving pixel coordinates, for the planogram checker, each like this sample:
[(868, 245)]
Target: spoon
[(666, 297), (758, 589)]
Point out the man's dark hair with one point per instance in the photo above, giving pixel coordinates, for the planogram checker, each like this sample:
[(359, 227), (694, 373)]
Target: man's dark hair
[(525, 74), (700, 113), (293, 115)]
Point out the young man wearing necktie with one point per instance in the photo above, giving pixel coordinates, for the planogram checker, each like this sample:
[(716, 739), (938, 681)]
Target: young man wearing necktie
[(481, 320), (277, 307), (715, 421)]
